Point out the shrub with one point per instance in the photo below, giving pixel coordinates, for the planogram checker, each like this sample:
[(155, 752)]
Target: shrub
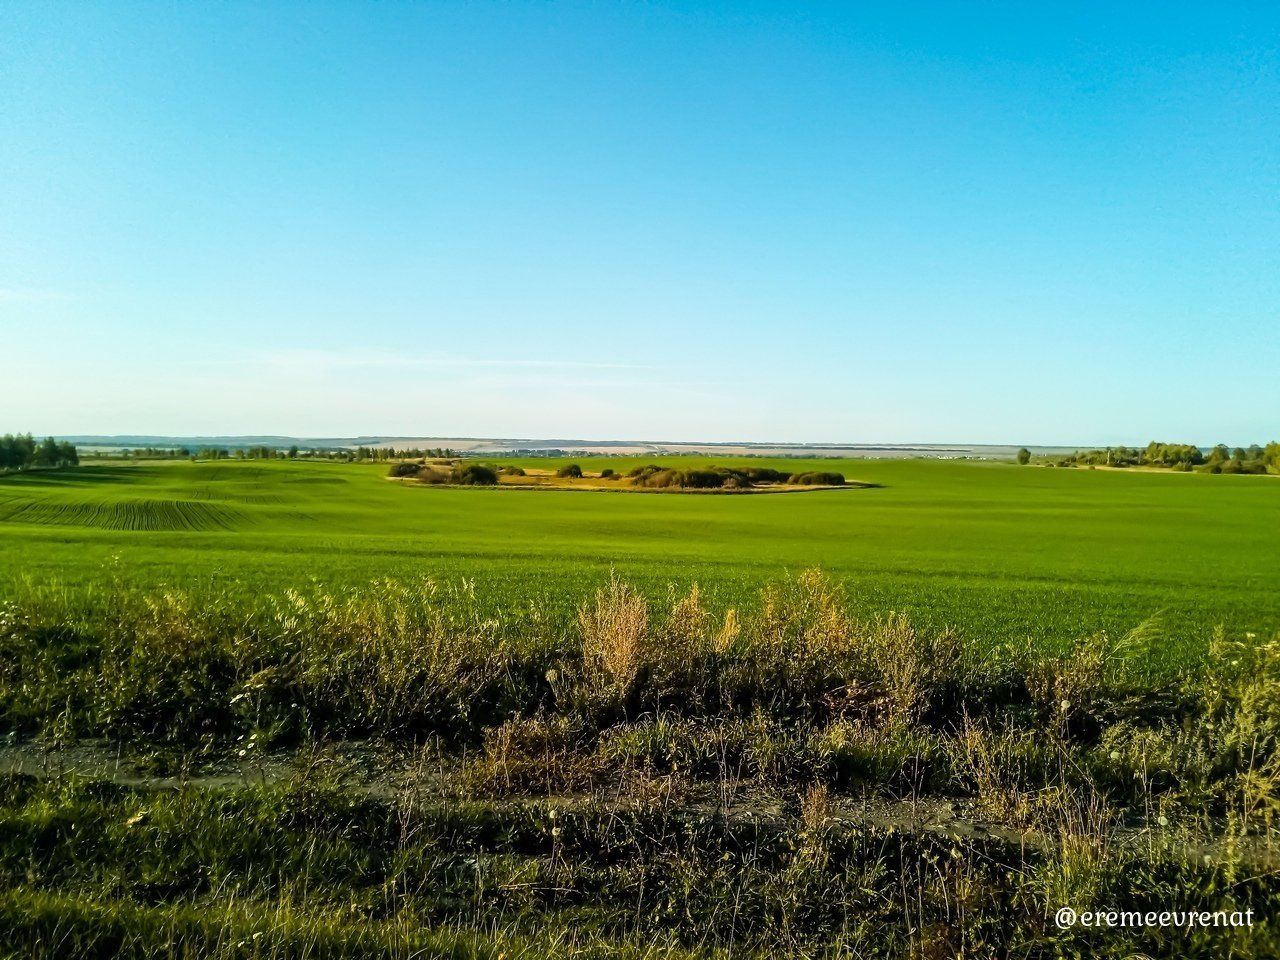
[(510, 471), (569, 470), (818, 478), (765, 475), (607, 474), (1024, 456), (711, 478), (474, 475), (404, 468), (660, 479), (701, 479)]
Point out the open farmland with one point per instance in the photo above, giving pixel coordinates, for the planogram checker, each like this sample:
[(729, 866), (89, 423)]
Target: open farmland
[(996, 551), (299, 709)]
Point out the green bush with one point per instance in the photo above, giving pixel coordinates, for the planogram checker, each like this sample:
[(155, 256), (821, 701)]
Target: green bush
[(701, 479), (474, 475), (707, 478), (818, 478), (404, 468), (569, 470), (659, 479), (765, 475)]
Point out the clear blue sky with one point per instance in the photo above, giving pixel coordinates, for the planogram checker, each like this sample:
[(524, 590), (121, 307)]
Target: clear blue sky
[(1016, 222)]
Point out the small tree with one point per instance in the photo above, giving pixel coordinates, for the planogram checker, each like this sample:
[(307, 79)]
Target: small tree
[(571, 470), (1024, 455)]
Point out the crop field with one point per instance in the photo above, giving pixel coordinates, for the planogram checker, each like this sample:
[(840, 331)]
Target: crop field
[(278, 709), (995, 551)]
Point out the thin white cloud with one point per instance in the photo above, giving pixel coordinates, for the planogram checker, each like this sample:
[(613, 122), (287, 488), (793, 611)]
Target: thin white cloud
[(322, 360)]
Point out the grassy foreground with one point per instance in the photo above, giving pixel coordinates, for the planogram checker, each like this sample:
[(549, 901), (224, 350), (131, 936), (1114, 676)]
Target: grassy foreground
[(394, 771)]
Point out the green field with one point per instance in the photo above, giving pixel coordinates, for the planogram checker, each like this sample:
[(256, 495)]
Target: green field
[(526, 757), (998, 551)]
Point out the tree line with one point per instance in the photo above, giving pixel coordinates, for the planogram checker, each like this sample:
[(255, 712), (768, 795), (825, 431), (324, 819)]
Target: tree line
[(1183, 457), (294, 452), (21, 452), (409, 453)]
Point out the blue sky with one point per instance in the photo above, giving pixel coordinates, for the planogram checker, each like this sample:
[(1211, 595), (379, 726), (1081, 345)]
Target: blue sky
[(857, 222)]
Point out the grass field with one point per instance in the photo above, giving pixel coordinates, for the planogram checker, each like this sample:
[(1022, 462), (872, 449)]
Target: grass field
[(237, 722), (997, 551)]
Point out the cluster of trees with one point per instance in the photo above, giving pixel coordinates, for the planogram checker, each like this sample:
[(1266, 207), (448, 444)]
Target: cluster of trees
[(213, 453), (1251, 459), (269, 453), (461, 473), (818, 478), (1179, 456), (21, 452), (470, 473), (728, 478)]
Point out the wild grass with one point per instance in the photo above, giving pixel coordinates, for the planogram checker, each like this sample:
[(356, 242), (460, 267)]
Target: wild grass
[(785, 777)]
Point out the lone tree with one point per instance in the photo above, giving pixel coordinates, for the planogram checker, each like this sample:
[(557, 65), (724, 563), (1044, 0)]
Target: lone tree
[(1024, 455)]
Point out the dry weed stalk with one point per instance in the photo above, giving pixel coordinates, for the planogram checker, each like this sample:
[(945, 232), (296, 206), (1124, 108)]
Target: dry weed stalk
[(614, 635)]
